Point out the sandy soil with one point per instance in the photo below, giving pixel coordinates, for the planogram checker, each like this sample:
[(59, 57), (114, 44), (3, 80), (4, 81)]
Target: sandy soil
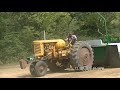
[(14, 71)]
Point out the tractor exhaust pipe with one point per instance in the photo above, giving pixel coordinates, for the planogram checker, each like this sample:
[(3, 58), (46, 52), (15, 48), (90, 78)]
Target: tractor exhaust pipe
[(44, 35)]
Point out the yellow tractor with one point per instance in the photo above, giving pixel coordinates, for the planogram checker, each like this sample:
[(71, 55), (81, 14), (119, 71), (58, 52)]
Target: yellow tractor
[(58, 55)]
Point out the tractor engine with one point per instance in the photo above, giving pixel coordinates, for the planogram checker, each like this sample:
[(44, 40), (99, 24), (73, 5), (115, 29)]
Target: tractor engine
[(52, 50)]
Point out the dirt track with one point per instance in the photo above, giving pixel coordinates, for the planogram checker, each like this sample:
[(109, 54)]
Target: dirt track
[(14, 71)]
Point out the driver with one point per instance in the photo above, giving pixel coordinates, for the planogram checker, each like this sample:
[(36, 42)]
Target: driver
[(71, 38)]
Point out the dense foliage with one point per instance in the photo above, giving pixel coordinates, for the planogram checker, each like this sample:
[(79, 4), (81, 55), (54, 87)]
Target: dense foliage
[(19, 29)]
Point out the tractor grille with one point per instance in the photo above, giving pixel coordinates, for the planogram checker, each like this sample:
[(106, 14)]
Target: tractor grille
[(37, 50)]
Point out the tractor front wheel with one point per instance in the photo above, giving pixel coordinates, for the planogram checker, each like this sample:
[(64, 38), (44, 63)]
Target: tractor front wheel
[(32, 69), (40, 68)]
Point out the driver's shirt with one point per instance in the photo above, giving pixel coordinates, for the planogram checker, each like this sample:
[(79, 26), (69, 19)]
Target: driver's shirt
[(74, 37)]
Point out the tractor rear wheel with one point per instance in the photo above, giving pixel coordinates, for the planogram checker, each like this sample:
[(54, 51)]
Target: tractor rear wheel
[(40, 68), (81, 56)]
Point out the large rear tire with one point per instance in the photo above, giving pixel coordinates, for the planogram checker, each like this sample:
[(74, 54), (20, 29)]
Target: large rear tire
[(81, 56)]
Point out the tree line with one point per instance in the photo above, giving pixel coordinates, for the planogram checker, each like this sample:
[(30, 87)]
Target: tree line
[(19, 29)]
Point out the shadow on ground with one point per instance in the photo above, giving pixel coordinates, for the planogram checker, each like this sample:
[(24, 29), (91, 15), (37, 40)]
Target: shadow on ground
[(25, 76), (48, 73)]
